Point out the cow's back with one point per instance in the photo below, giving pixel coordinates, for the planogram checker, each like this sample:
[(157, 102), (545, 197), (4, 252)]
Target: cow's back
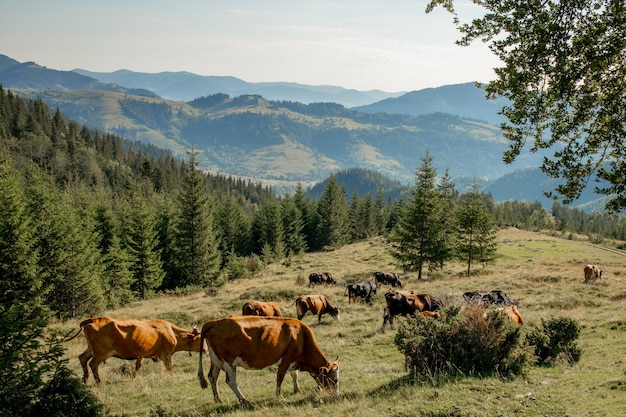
[(255, 341)]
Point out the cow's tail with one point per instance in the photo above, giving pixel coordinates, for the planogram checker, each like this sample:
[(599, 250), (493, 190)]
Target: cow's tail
[(80, 329), (203, 382)]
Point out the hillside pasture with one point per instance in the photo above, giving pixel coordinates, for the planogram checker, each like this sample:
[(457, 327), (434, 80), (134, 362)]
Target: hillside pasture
[(545, 273)]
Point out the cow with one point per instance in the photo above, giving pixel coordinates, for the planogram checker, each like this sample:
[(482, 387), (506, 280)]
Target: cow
[(316, 304), (592, 272), (259, 308), (318, 278), (495, 297), (390, 278), (133, 339), (407, 303), (258, 342), (513, 313), (363, 289)]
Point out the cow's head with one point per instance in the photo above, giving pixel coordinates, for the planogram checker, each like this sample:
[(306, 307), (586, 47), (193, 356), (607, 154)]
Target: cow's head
[(328, 377), (191, 341), (333, 311)]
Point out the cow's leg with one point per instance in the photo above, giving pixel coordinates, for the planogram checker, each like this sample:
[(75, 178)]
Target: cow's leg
[(137, 366), (84, 358), (296, 386), (231, 380), (167, 361), (214, 372), (95, 362)]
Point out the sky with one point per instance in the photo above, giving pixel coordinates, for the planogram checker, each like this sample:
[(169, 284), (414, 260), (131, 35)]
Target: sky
[(389, 45)]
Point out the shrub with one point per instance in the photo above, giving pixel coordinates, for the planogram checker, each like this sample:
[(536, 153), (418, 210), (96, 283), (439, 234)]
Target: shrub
[(462, 341), (555, 339), (35, 381)]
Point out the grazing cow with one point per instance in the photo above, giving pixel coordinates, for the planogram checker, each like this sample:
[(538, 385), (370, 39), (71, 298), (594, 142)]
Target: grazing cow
[(258, 342), (363, 289), (495, 297), (259, 308), (406, 303), (317, 278), (513, 313), (390, 278), (133, 339), (316, 304), (592, 272)]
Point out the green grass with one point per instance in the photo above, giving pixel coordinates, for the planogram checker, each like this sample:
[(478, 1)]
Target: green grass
[(543, 272)]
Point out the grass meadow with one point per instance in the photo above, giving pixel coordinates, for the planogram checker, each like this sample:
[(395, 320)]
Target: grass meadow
[(544, 272)]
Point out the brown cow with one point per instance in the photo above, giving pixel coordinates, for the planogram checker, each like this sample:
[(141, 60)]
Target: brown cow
[(133, 339), (406, 303), (513, 313), (316, 304), (258, 342), (259, 308), (592, 272)]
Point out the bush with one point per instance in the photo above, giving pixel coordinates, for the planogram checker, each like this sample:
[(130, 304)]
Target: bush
[(462, 341), (555, 339), (35, 381)]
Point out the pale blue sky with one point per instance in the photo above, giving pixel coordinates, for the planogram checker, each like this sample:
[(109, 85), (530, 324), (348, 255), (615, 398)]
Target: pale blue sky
[(390, 45)]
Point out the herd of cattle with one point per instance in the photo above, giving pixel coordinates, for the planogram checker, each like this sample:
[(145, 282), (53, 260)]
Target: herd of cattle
[(262, 337)]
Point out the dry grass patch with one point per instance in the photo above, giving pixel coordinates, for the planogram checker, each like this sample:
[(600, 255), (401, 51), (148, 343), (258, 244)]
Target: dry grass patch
[(544, 272)]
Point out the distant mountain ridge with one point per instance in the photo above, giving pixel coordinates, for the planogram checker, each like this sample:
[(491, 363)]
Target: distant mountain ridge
[(29, 75), (283, 142), (466, 100), (186, 86)]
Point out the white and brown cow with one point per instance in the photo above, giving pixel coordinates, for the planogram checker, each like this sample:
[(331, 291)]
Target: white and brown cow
[(316, 304), (260, 308), (254, 342), (592, 273), (133, 339)]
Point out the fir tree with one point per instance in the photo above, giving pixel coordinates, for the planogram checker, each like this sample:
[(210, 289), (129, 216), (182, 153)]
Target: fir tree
[(20, 276), (197, 251), (334, 226), (143, 247), (476, 231), (293, 226), (419, 237)]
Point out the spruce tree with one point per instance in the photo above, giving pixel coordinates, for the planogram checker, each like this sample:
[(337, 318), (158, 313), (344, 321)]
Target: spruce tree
[(197, 250), (334, 226), (20, 277), (143, 247), (419, 237), (293, 226), (476, 231)]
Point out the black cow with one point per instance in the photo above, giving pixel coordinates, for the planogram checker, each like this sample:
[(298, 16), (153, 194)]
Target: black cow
[(318, 278), (407, 303), (495, 297), (363, 289), (390, 278)]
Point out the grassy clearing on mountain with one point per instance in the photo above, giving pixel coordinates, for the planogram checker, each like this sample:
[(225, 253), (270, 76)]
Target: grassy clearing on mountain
[(544, 272)]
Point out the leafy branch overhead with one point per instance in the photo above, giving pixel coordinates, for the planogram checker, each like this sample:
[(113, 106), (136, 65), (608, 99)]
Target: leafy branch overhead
[(564, 72)]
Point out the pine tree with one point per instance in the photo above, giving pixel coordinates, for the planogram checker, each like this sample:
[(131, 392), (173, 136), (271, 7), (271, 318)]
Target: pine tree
[(310, 216), (143, 247), (196, 246), (334, 226), (419, 237), (293, 226), (476, 231), (233, 225), (20, 277), (267, 230), (67, 242)]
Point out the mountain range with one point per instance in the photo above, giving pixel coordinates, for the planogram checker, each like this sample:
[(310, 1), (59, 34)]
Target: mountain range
[(279, 133)]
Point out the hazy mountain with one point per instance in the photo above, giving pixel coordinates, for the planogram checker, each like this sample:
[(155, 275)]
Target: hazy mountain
[(466, 100), (29, 75), (186, 86), (284, 142)]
